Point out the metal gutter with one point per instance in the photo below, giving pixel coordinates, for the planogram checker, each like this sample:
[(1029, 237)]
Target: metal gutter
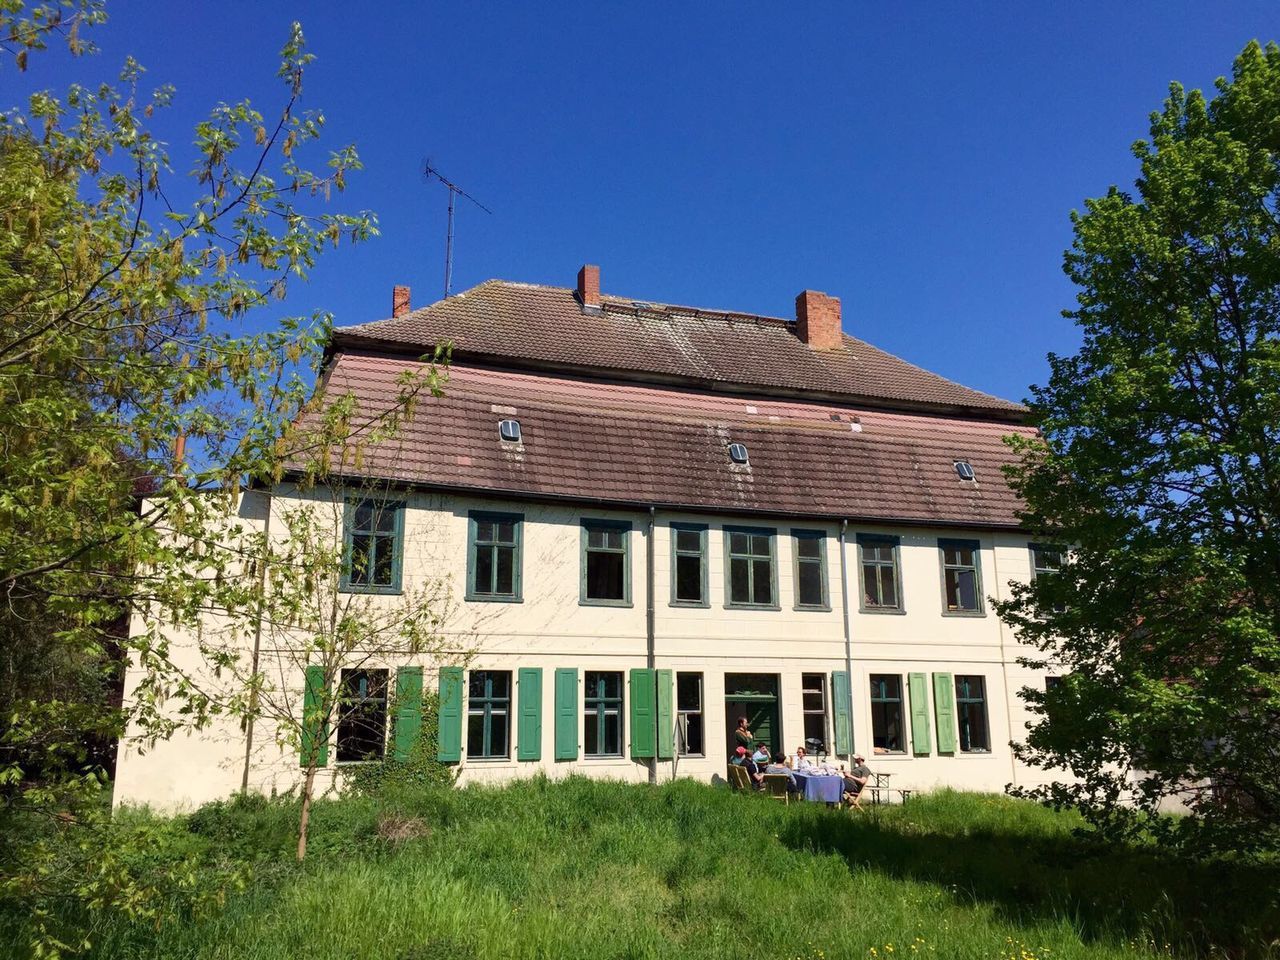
[(650, 620), (848, 637)]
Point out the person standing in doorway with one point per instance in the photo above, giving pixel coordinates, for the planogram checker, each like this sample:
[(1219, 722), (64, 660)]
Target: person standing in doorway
[(742, 736)]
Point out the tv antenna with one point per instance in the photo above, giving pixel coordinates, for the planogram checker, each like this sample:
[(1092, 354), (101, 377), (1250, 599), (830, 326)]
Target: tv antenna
[(455, 191)]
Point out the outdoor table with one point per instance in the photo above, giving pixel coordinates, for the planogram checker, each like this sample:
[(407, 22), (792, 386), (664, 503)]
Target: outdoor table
[(817, 786)]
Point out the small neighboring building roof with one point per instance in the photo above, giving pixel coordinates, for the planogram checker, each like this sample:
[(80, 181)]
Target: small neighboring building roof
[(529, 326), (619, 442)]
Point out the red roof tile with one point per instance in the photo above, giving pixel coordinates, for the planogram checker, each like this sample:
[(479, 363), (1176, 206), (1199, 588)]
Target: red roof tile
[(523, 325), (625, 443)]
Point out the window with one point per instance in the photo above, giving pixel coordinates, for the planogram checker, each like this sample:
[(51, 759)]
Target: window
[(488, 713), (971, 714), (373, 531), (606, 562), (964, 469), (689, 714), (813, 694), (738, 452), (886, 714), (881, 575), (362, 715), (811, 569), (1052, 683), (750, 568), (689, 565), (509, 430), (1046, 562), (493, 560), (961, 577), (603, 715)]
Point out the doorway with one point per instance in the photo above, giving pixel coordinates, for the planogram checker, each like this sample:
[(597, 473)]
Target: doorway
[(754, 696)]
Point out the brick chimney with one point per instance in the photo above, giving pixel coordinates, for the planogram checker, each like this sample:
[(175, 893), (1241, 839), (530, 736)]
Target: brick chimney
[(589, 288), (399, 301), (818, 320)]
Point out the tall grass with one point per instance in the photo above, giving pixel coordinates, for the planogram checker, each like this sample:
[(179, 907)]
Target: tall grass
[(594, 869)]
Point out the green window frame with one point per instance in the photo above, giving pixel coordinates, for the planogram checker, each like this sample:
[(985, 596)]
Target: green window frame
[(888, 719), (809, 556), (488, 543), (1043, 566), (880, 573), (960, 577), (689, 547), (745, 550), (362, 716), (372, 545), (972, 716), (489, 714), (606, 547), (602, 713)]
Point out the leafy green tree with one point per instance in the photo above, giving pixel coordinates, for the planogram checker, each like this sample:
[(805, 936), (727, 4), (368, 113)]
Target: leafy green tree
[(1160, 468), (126, 299)]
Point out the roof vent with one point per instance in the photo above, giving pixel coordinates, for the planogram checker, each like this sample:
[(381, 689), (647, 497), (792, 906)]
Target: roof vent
[(738, 452), (963, 469), (509, 430)]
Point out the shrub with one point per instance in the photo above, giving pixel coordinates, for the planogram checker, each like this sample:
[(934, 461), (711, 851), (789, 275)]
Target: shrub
[(420, 770)]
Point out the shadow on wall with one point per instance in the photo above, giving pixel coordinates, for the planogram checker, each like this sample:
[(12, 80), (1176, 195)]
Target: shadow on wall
[(1105, 891)]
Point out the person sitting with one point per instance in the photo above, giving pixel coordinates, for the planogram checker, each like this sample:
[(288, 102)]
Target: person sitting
[(762, 754), (802, 760), (855, 780), (779, 765), (742, 759)]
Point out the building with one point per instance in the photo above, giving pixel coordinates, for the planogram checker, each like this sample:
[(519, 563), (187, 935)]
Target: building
[(658, 519)]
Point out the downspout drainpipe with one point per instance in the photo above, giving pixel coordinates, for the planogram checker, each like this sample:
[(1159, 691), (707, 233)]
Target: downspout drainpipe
[(848, 639), (649, 619), (257, 643)]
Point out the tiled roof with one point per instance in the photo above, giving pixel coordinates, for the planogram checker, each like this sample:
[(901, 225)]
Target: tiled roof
[(525, 325), (625, 443)]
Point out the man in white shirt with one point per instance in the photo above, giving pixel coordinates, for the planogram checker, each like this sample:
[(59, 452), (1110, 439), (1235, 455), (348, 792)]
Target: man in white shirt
[(802, 760)]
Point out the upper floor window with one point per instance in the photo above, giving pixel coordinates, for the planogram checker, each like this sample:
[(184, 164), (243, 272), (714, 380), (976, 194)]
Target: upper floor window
[(1046, 561), (881, 574), (362, 715), (961, 576), (689, 565), (373, 535), (606, 562), (493, 556), (750, 567), (811, 569)]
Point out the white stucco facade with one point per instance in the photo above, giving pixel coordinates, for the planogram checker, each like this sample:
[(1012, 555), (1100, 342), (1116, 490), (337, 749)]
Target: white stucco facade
[(551, 628)]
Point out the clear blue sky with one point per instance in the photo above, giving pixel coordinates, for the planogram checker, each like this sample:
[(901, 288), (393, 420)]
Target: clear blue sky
[(919, 161)]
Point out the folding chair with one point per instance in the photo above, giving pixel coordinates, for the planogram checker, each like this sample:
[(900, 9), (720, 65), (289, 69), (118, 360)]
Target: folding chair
[(776, 784)]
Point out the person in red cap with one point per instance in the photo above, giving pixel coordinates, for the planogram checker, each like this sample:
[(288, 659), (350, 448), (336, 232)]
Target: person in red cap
[(743, 759)]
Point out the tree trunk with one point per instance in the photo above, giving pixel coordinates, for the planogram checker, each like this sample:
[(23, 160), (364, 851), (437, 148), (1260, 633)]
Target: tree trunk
[(308, 786)]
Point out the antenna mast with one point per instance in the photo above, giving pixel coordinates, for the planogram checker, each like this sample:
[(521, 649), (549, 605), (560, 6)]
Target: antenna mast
[(455, 191)]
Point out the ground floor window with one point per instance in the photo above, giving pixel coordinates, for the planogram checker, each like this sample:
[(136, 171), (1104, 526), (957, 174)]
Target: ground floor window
[(603, 714), (689, 728), (971, 714), (362, 715), (488, 713), (814, 695), (886, 714)]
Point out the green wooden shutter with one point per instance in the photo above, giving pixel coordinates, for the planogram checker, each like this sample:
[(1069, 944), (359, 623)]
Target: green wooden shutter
[(567, 713), (666, 716), (449, 741), (529, 732), (644, 721), (843, 721), (408, 710), (921, 742), (944, 708), (315, 723)]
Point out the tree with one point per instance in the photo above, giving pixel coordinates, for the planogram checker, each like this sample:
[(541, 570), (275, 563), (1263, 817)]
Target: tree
[(125, 295), (1159, 466)]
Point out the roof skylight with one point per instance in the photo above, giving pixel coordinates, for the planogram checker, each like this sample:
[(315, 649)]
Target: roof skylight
[(509, 430), (964, 469), (738, 452)]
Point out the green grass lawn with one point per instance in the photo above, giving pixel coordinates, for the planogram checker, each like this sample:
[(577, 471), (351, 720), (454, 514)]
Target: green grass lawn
[(594, 869)]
